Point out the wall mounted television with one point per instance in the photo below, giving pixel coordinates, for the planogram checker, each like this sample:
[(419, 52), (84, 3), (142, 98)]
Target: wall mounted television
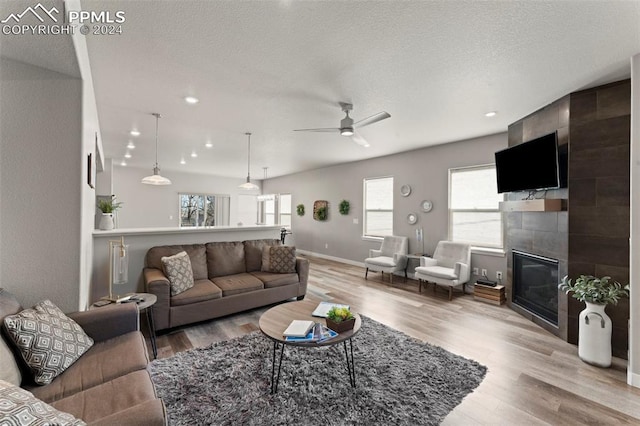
[(533, 165)]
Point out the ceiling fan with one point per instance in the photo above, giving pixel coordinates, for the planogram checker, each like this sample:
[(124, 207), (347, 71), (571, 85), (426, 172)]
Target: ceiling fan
[(347, 126)]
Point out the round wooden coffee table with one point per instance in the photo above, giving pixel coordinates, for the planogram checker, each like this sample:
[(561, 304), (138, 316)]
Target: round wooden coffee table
[(277, 319)]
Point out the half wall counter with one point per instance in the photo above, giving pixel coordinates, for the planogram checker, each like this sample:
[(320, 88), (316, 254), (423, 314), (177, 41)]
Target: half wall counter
[(140, 240)]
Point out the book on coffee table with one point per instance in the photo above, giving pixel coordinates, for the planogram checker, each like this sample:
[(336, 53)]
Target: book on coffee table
[(318, 334), (298, 328), (324, 308)]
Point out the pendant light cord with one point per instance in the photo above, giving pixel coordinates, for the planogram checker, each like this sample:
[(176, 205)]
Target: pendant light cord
[(249, 156), (157, 115)]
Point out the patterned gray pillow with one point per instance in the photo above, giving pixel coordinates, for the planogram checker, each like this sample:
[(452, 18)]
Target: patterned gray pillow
[(279, 259), (178, 269), (48, 340), (19, 407)]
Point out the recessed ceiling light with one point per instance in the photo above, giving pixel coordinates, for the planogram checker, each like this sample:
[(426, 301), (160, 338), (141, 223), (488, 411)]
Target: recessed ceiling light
[(182, 161), (192, 100), (127, 155), (134, 132), (130, 145), (208, 144), (194, 154), (491, 114), (123, 163)]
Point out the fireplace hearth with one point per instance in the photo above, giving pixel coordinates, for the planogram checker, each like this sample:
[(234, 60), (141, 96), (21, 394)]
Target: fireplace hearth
[(535, 285)]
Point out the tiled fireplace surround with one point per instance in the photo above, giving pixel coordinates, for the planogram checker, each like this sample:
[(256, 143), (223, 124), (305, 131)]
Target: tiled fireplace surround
[(590, 236)]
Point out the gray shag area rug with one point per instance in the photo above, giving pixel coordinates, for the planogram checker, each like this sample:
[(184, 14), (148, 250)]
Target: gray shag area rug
[(399, 380)]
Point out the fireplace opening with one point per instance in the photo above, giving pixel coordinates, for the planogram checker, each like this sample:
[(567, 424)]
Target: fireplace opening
[(535, 285)]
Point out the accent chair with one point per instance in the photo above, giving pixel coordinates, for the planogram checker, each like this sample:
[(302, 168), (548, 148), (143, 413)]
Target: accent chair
[(450, 266), (391, 257)]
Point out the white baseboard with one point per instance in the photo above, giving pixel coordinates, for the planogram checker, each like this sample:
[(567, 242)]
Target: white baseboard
[(325, 256), (633, 379)]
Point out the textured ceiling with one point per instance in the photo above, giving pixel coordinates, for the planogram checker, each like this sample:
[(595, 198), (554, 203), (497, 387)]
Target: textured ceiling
[(273, 66)]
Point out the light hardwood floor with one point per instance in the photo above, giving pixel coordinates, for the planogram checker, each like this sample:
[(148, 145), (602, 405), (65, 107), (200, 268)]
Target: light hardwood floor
[(534, 378)]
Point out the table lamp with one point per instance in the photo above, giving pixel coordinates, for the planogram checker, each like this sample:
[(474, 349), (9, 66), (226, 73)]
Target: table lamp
[(118, 267)]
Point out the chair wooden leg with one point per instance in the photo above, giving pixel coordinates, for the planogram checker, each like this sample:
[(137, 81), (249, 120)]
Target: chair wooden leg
[(450, 293), (420, 286), (391, 278), (366, 272)]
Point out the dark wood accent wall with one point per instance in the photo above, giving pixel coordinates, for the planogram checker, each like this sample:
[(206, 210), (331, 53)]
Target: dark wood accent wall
[(541, 233), (599, 189), (592, 237)]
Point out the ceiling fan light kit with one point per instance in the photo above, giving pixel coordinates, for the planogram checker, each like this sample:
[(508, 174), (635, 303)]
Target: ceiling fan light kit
[(156, 178), (347, 126)]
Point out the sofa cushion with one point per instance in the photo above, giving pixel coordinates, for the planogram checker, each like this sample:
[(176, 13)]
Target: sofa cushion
[(271, 280), (438, 272), (201, 291), (253, 252), (18, 407), (178, 269), (48, 340), (239, 283), (110, 397), (197, 254), (279, 259), (103, 362), (225, 258), (10, 370)]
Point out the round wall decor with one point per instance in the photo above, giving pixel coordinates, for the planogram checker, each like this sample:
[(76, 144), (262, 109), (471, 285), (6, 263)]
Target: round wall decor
[(405, 190), (412, 218), (426, 206)]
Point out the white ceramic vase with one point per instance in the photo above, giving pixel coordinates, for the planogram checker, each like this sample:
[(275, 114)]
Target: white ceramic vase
[(594, 339), (106, 222)]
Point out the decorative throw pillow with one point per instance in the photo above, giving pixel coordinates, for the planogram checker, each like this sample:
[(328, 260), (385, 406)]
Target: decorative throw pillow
[(20, 407), (48, 340), (279, 259), (178, 269)]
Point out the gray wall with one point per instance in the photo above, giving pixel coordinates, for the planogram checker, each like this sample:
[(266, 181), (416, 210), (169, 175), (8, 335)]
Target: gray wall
[(41, 173), (148, 206), (425, 170)]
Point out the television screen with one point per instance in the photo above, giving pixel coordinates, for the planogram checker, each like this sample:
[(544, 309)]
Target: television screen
[(529, 166)]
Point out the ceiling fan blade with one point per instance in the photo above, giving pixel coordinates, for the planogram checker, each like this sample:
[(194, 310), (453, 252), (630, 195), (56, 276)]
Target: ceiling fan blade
[(373, 119), (360, 140), (326, 129)]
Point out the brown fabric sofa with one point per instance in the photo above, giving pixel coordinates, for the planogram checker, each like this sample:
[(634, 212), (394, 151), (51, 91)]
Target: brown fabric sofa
[(107, 385), (228, 279)]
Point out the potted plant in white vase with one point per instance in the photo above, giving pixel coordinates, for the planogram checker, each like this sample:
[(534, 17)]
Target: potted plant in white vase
[(107, 207), (594, 333)]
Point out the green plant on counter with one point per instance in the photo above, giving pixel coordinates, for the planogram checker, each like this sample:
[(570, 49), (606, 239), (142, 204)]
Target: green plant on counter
[(109, 206), (588, 288), (300, 209), (336, 314), (344, 207), (321, 213)]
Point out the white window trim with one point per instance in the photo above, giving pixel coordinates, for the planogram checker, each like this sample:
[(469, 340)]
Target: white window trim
[(491, 250), (365, 236)]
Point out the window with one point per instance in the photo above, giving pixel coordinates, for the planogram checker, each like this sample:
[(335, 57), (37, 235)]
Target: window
[(285, 210), (203, 210), (378, 207), (474, 210)]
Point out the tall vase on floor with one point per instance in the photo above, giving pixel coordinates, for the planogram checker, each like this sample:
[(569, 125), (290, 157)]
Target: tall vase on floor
[(594, 331), (594, 339)]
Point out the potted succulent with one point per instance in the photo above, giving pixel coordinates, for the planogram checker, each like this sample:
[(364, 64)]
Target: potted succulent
[(300, 209), (594, 334), (107, 207), (340, 319)]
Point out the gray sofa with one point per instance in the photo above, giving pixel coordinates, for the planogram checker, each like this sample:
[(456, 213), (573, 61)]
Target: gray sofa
[(228, 279), (107, 385)]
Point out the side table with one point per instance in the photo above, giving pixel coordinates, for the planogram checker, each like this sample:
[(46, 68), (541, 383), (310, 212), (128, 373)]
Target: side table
[(144, 302)]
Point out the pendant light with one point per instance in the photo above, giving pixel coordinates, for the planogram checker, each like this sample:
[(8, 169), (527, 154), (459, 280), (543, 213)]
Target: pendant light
[(155, 178), (248, 185)]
